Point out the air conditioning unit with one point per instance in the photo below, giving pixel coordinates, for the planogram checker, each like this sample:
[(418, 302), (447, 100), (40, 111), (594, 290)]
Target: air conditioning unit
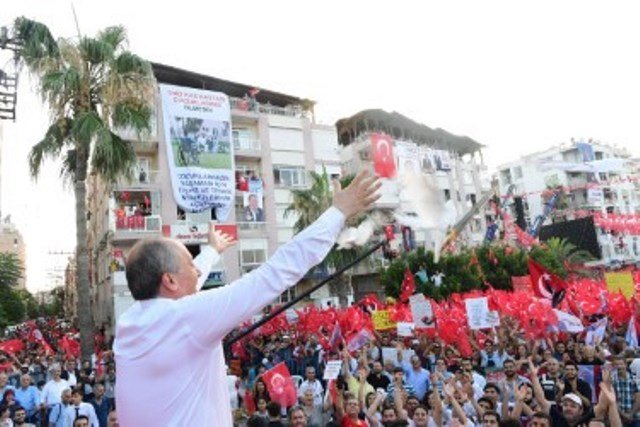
[(365, 154), (153, 223)]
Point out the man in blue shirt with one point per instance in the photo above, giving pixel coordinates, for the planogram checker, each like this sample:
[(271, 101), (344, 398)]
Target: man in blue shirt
[(28, 397), (100, 404), (416, 376)]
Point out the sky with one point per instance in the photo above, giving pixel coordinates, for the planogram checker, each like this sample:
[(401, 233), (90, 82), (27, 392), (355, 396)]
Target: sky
[(515, 76)]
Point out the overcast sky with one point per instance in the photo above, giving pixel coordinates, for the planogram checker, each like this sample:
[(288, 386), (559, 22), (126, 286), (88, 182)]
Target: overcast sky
[(515, 76)]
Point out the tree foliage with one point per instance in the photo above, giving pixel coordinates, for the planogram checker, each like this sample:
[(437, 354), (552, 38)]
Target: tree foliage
[(93, 87)]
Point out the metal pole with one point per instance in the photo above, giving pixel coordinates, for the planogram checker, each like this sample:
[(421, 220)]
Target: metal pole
[(304, 295)]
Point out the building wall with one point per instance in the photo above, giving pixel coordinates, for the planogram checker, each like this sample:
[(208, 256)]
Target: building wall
[(266, 141), (467, 176), (532, 174), (11, 241)]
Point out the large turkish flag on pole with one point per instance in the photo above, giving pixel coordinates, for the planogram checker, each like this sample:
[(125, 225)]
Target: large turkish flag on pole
[(384, 162)]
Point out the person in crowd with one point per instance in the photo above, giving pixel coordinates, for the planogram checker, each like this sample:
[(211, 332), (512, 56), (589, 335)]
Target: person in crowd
[(52, 391), (9, 401), (313, 384), (28, 397), (20, 418), (100, 404), (79, 408), (57, 413)]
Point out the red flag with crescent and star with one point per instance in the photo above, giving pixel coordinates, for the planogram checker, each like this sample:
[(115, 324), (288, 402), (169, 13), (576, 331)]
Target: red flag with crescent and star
[(384, 162), (545, 284), (280, 385)]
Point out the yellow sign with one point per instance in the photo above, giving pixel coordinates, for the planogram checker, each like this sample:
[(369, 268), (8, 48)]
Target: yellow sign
[(382, 320), (622, 282)]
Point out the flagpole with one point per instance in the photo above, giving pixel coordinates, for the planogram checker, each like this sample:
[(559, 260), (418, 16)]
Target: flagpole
[(304, 295)]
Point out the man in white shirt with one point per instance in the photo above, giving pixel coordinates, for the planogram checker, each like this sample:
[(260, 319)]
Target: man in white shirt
[(173, 332), (77, 408), (52, 391), (312, 384)]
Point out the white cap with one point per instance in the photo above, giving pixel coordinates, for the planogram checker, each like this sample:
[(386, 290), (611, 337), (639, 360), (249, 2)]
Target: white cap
[(573, 397)]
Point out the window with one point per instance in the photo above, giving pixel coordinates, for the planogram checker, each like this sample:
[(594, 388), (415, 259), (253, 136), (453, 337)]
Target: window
[(253, 252), (289, 176), (602, 176), (517, 172), (196, 217), (287, 295), (447, 195)]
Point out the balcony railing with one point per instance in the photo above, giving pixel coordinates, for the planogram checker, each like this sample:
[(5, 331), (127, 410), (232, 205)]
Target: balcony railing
[(140, 179), (252, 226), (245, 144), (242, 104), (139, 223)]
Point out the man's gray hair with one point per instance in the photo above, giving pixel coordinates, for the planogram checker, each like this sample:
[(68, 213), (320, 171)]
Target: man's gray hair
[(148, 260)]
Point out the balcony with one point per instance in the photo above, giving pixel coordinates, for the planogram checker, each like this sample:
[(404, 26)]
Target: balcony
[(248, 147), (141, 179), (135, 214), (251, 105)]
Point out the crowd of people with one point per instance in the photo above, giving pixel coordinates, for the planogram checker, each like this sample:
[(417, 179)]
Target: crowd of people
[(44, 382), (421, 381)]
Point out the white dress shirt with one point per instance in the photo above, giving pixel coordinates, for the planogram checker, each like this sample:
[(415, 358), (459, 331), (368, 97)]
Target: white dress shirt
[(85, 409), (161, 340), (52, 392)]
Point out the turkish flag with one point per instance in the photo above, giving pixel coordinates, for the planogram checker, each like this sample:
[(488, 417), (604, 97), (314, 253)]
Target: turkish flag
[(280, 385), (384, 162), (12, 346), (545, 284), (70, 346), (408, 285)]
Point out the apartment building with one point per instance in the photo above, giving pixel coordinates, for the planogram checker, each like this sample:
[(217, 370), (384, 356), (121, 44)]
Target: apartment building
[(591, 178), (454, 163), (275, 144)]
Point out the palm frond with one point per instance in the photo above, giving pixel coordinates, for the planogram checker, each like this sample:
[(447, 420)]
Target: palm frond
[(134, 114), (50, 146), (86, 126), (130, 63), (37, 42), (95, 51), (113, 36), (68, 169), (113, 157)]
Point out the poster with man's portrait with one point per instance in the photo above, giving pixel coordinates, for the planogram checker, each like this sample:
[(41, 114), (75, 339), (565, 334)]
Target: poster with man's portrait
[(253, 207)]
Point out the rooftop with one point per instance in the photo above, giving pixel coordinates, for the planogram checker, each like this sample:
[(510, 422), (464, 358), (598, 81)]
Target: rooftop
[(179, 77), (402, 127)]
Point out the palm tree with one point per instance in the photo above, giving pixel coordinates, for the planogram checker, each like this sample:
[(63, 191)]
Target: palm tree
[(92, 86), (308, 204)]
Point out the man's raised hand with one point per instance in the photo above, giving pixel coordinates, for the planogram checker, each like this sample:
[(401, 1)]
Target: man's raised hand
[(219, 240), (358, 196)]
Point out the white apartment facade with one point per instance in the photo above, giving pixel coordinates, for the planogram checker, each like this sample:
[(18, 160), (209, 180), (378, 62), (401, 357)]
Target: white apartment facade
[(275, 141), (459, 173), (595, 178)]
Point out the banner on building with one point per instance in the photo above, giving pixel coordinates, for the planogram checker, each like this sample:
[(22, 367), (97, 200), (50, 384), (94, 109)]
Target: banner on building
[(197, 128), (442, 160), (408, 157), (595, 196), (427, 160)]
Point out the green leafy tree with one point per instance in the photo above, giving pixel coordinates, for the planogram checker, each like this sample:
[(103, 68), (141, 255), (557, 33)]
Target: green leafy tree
[(12, 306), (10, 270), (93, 86)]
